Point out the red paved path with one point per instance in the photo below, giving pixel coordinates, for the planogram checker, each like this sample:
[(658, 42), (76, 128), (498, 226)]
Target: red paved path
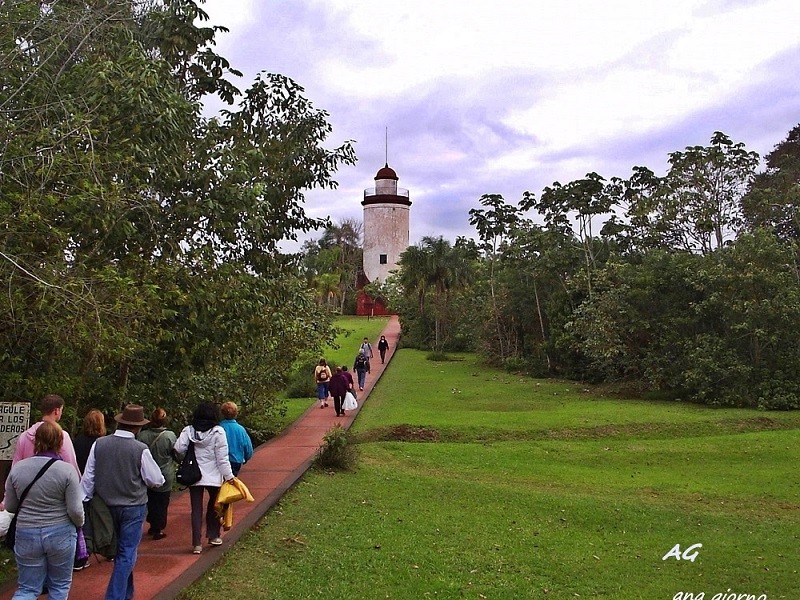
[(167, 566)]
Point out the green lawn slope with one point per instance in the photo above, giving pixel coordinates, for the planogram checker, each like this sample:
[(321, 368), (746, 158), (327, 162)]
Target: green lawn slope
[(474, 483)]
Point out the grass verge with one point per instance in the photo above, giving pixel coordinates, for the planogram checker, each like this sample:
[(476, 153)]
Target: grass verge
[(569, 495)]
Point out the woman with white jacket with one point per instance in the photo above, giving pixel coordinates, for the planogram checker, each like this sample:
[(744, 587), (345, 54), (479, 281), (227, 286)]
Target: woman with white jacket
[(211, 449)]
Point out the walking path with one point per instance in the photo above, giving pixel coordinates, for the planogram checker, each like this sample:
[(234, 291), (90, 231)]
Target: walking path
[(167, 566)]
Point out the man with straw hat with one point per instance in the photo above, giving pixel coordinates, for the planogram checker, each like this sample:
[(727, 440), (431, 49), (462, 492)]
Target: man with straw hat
[(119, 470)]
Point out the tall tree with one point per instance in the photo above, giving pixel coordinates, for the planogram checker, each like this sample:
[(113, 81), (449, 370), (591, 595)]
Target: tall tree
[(437, 268), (698, 204), (334, 261), (589, 200), (773, 200), (494, 223), (141, 238)]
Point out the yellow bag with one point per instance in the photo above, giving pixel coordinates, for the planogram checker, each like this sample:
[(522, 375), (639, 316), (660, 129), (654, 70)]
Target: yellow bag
[(233, 491), (230, 492)]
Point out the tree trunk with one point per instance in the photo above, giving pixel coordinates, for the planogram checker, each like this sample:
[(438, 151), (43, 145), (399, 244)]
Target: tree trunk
[(541, 324)]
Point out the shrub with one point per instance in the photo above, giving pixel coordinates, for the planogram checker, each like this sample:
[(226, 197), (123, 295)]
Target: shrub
[(515, 364), (264, 425), (338, 450)]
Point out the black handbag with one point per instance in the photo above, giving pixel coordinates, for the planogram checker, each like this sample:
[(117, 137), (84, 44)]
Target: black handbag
[(188, 472), (11, 534)]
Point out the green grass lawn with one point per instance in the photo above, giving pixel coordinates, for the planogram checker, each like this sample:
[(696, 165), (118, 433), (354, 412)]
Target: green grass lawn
[(352, 332), (532, 489)]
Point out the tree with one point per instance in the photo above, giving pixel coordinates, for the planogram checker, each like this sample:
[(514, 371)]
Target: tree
[(539, 265), (345, 238), (435, 267), (588, 199), (773, 199), (76, 180), (718, 329), (141, 238), (698, 203), (493, 223), (332, 263), (638, 229)]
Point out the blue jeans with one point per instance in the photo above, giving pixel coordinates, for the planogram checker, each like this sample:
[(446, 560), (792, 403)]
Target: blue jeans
[(128, 521), (362, 377), (322, 391), (45, 555)]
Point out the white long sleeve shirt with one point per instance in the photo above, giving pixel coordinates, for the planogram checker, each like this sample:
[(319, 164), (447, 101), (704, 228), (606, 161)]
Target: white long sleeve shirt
[(150, 471)]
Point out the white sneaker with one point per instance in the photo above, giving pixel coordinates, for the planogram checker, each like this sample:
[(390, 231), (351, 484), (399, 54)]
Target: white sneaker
[(215, 541), (197, 549)]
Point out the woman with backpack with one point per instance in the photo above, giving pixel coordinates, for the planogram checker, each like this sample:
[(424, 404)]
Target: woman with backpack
[(322, 377)]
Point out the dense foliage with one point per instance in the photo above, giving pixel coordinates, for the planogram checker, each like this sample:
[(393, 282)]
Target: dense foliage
[(687, 284), (332, 265), (139, 247)]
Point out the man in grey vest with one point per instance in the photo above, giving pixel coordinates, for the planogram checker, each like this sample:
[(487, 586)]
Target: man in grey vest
[(119, 470)]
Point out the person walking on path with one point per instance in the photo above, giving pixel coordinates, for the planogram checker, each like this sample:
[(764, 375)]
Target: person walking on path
[(120, 468), (361, 367), (366, 348), (240, 446), (211, 450), (94, 427), (351, 384), (52, 407), (338, 388), (322, 376), (161, 442), (383, 346), (47, 517)]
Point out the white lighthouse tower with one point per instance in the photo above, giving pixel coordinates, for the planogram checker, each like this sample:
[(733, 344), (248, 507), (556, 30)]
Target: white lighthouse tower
[(386, 225)]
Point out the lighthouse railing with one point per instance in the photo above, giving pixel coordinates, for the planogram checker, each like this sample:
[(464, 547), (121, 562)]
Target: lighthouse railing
[(374, 192)]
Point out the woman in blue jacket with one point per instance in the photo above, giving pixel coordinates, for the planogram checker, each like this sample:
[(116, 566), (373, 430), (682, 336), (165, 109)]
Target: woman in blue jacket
[(240, 447)]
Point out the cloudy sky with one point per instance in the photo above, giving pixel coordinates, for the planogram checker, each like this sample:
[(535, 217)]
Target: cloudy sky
[(506, 96)]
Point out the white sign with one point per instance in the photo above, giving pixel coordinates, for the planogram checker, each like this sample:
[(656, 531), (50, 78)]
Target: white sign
[(14, 419)]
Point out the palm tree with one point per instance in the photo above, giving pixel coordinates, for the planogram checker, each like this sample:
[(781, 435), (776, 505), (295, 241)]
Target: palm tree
[(345, 237), (413, 274), (434, 265)]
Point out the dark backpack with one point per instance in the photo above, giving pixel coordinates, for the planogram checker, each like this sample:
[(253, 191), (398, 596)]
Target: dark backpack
[(361, 362)]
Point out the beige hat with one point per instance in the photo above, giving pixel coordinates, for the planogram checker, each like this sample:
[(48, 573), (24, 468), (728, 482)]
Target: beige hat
[(132, 415)]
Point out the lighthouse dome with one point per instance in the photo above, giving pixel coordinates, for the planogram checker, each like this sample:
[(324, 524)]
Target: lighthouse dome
[(386, 172)]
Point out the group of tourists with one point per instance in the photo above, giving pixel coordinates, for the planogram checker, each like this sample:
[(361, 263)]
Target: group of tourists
[(131, 473), (54, 482), (340, 382)]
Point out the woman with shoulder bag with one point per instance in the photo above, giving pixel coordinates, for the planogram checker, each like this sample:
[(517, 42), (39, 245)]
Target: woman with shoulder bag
[(211, 450), (46, 496)]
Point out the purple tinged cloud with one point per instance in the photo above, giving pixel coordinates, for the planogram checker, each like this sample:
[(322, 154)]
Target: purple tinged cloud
[(453, 137)]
